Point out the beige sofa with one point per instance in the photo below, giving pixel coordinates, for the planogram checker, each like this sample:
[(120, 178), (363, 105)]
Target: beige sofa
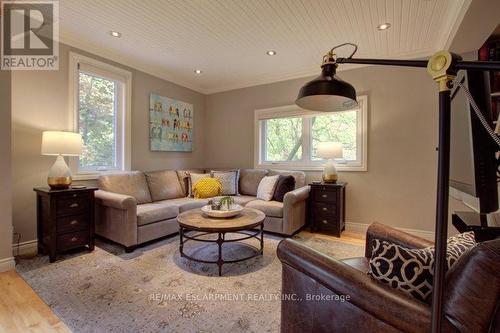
[(136, 207)]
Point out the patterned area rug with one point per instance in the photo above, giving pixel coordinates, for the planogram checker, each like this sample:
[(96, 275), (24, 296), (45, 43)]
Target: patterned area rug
[(153, 289)]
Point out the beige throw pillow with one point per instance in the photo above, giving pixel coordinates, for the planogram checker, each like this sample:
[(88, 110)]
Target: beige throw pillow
[(266, 187), (228, 180)]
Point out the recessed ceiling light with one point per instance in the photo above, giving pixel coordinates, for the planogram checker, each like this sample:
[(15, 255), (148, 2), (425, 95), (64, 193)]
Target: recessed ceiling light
[(384, 26), (115, 34), (271, 52), (198, 71)]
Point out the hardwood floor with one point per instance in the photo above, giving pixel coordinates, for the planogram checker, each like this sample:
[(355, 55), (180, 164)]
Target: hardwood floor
[(21, 310)]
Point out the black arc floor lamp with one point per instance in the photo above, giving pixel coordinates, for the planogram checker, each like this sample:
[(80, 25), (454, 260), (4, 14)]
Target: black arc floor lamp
[(329, 93)]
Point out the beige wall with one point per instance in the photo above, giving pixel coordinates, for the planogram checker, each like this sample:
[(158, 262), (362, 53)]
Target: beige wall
[(40, 102), (399, 187), (6, 261)]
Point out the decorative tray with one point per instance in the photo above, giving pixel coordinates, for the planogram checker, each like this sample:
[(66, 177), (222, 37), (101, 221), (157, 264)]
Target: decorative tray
[(235, 210)]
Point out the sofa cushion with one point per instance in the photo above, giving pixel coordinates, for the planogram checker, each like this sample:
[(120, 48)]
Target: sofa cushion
[(185, 204), (130, 183), (270, 208), (250, 180), (156, 211), (300, 176), (164, 185), (183, 176), (239, 199)]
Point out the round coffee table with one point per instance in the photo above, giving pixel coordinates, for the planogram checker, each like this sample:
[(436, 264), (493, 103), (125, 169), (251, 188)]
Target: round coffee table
[(244, 223)]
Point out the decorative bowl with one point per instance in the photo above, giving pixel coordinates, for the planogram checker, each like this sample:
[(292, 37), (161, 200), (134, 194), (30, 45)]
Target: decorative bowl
[(235, 210)]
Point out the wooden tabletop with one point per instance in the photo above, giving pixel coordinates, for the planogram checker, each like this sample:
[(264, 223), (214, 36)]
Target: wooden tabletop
[(195, 219)]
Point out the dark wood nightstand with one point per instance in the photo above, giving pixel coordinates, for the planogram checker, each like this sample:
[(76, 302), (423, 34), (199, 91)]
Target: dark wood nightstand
[(327, 207), (65, 219)]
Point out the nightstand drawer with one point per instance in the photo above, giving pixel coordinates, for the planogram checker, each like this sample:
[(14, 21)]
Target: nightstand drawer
[(72, 204), (72, 223), (325, 196), (72, 240), (328, 223), (324, 209)]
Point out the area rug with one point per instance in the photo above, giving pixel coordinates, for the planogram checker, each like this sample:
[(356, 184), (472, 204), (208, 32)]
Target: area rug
[(153, 289)]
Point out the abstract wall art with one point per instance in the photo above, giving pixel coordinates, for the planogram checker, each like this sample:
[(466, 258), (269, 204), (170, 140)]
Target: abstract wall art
[(170, 124)]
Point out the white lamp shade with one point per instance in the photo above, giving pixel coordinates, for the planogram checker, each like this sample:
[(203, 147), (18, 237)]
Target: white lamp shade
[(61, 143), (329, 150)]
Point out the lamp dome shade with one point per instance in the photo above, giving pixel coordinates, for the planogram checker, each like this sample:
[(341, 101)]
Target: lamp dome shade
[(327, 93), (329, 150), (61, 143)]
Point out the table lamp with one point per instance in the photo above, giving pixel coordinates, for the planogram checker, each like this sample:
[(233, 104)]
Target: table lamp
[(56, 143), (329, 151)]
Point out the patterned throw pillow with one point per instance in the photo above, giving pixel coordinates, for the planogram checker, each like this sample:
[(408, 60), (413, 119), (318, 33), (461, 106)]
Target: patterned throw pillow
[(266, 187), (411, 270), (207, 188), (229, 181)]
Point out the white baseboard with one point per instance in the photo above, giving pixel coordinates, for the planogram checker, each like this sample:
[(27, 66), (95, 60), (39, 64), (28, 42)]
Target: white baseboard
[(7, 264), (29, 248), (360, 228)]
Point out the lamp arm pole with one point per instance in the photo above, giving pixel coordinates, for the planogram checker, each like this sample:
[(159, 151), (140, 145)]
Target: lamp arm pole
[(442, 66)]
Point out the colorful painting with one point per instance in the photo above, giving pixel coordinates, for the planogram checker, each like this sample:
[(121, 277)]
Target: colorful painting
[(170, 124)]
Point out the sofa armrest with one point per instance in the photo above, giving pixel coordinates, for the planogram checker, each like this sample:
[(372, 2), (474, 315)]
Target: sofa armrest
[(294, 210), (297, 195), (115, 200), (378, 300), (384, 232)]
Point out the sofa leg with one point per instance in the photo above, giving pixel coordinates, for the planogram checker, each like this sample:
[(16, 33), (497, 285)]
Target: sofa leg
[(129, 249)]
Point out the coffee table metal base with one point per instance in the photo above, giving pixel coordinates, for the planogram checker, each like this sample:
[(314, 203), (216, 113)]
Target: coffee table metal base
[(221, 239)]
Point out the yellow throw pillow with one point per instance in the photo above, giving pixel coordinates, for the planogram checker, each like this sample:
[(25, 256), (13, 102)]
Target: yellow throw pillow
[(207, 188)]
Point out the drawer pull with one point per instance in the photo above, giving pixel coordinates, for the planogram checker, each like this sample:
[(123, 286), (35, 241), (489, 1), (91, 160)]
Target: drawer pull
[(324, 221), (73, 222), (324, 196), (75, 195), (73, 205), (74, 239), (325, 209)]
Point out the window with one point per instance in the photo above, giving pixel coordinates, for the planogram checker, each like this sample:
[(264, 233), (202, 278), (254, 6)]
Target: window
[(288, 137), (100, 97)]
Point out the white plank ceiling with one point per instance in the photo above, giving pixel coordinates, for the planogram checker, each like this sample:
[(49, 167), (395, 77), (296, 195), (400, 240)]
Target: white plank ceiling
[(228, 39)]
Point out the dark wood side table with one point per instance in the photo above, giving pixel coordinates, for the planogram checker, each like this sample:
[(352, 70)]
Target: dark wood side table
[(65, 219), (327, 208)]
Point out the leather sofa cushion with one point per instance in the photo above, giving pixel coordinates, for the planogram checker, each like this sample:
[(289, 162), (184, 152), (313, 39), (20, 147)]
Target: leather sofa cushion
[(156, 211), (270, 208), (300, 176), (130, 183), (164, 185), (250, 180)]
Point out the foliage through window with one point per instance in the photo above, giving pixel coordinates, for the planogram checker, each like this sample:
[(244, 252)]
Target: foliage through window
[(100, 94), (289, 137), (97, 115)]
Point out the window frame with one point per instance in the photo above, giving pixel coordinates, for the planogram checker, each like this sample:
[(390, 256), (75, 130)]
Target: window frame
[(124, 102), (306, 163)]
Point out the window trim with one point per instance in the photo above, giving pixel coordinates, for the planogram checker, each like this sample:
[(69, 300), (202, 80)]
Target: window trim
[(74, 60), (289, 111)]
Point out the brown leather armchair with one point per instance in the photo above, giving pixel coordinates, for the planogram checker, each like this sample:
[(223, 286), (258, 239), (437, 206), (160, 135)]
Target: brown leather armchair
[(314, 286)]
